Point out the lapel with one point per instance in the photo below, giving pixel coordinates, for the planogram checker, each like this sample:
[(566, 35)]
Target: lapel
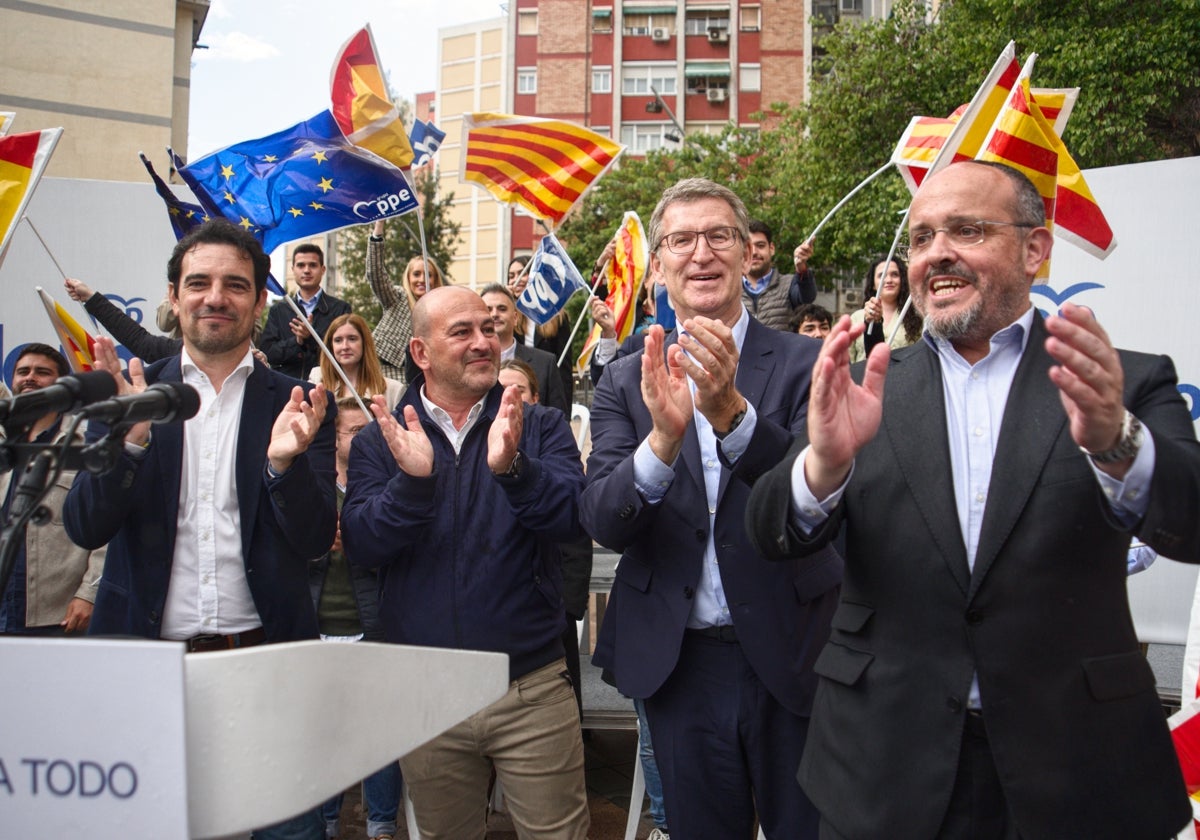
[(253, 436), (914, 419), (168, 438), (1033, 422), (756, 362)]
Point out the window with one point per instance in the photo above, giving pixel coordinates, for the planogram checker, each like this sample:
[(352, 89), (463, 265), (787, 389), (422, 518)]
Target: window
[(852, 6), (644, 24), (526, 80), (601, 20), (750, 18), (644, 138), (750, 77), (702, 84), (636, 80), (699, 23), (601, 80), (602, 130), (527, 22)]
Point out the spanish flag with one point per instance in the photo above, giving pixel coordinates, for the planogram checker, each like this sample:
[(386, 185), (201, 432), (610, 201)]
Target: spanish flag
[(544, 166), (79, 345), (22, 159), (361, 105)]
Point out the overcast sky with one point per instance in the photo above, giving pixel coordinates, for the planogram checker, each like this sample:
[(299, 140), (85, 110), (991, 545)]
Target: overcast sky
[(268, 62)]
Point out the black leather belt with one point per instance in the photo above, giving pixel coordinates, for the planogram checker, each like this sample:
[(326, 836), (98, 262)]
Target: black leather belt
[(720, 633), (215, 641)]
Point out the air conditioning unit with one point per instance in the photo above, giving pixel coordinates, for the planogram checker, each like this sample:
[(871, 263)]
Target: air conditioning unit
[(716, 94), (718, 36), (660, 33)]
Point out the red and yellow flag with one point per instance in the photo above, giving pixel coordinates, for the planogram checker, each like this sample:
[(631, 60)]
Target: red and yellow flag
[(361, 105), (79, 345), (543, 165), (623, 276), (22, 159)]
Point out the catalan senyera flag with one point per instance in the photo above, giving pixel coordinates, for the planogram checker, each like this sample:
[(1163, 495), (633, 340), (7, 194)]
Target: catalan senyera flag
[(1023, 138), (931, 143), (360, 102), (23, 157), (623, 276), (79, 345), (542, 165), (6, 121)]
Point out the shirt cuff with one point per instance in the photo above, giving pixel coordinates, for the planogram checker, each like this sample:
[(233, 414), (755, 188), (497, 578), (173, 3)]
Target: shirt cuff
[(1129, 498), (606, 348), (808, 512), (736, 443), (651, 477)]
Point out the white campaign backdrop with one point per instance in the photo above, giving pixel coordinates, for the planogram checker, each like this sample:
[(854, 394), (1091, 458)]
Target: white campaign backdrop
[(115, 237)]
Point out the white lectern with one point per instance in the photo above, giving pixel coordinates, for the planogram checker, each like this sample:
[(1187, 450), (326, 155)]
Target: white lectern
[(103, 738)]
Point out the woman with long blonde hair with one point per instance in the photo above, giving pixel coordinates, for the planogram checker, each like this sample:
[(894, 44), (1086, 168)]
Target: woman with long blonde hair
[(349, 340), (394, 330)]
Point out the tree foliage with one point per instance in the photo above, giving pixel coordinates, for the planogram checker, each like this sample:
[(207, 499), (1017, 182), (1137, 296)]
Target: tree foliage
[(1136, 61), (401, 242)]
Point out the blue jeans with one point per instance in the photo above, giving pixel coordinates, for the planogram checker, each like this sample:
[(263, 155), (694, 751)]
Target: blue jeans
[(381, 798), (650, 768)]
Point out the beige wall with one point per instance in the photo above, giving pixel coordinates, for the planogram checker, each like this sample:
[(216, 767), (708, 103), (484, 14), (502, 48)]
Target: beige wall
[(115, 77)]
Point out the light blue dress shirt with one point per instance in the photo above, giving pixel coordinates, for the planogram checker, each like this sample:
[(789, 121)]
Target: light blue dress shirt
[(653, 478)]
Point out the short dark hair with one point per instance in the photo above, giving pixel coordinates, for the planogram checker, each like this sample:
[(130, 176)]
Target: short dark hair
[(497, 289), (35, 348), (309, 248), (759, 226), (220, 232)]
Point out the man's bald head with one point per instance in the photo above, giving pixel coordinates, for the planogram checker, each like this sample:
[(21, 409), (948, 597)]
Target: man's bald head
[(454, 344), (434, 302)]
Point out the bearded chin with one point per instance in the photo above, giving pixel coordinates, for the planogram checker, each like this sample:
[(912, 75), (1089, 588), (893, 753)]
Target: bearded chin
[(949, 327)]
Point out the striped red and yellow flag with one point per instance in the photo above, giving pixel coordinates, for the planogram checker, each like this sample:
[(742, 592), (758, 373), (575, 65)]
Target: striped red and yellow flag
[(1023, 138), (361, 105), (22, 159), (623, 276), (543, 165), (80, 346)]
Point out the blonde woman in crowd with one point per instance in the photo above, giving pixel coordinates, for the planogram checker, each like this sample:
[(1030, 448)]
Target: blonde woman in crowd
[(394, 330)]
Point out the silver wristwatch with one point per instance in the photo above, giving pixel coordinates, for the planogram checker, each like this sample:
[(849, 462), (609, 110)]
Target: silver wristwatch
[(1127, 445)]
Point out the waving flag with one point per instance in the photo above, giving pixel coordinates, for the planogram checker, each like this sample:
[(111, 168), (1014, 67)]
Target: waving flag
[(623, 276), (364, 112), (23, 157), (542, 165), (426, 138), (304, 180), (79, 345), (6, 121), (553, 278)]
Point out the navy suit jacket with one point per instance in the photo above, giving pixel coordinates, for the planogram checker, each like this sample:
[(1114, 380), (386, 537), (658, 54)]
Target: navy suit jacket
[(285, 521), (1074, 724), (781, 611)]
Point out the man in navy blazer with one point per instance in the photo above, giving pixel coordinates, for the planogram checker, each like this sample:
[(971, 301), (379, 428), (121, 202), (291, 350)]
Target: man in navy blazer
[(718, 642), (210, 523)]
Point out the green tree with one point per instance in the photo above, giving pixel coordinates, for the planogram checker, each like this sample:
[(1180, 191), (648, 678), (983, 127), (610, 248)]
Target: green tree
[(401, 242)]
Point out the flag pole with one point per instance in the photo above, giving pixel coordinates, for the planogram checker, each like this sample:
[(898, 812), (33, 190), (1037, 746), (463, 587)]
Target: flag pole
[(329, 355), (847, 197), (886, 265), (49, 253), (585, 311), (404, 173)]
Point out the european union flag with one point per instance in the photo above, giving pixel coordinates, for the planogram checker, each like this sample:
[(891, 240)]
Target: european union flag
[(553, 278), (425, 139), (304, 180)]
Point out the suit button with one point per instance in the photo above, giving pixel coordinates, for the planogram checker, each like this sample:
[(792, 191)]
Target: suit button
[(626, 512), (688, 592), (701, 535), (974, 617), (954, 704), (154, 617)]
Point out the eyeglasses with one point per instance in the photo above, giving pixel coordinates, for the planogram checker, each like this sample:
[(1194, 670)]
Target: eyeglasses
[(684, 241), (961, 235)]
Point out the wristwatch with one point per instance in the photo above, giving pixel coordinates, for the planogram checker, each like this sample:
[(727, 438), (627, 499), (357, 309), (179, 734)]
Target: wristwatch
[(1127, 445), (515, 468), (733, 424)]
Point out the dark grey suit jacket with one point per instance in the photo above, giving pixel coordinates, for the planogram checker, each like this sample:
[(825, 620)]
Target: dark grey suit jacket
[(1073, 719)]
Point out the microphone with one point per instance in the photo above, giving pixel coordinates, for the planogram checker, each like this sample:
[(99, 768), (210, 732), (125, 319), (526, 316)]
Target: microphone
[(162, 402), (67, 394)]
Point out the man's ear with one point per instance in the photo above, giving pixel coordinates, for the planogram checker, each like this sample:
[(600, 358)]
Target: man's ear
[(1038, 245), (173, 298), (419, 351), (262, 301)]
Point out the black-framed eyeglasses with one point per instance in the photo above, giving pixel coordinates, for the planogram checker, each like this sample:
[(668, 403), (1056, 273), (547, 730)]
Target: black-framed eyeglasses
[(720, 238), (961, 235)]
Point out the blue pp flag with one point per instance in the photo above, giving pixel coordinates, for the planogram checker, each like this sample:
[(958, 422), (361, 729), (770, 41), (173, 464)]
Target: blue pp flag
[(304, 180), (425, 139), (553, 278)]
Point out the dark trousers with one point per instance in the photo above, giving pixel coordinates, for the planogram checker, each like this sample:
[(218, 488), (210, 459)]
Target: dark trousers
[(727, 750)]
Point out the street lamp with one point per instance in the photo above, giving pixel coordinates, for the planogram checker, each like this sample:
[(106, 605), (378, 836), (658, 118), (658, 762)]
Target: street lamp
[(657, 107)]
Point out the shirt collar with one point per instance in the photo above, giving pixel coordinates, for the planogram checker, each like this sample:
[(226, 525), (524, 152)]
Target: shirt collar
[(758, 286), (1015, 333), (442, 417), (191, 372), (739, 328)]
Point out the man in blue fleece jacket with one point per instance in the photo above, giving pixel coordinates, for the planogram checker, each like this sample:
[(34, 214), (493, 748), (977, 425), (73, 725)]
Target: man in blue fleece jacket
[(460, 498)]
